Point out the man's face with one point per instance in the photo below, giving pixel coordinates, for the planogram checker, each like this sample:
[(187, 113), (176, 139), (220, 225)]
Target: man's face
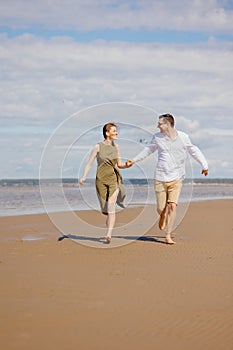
[(162, 125)]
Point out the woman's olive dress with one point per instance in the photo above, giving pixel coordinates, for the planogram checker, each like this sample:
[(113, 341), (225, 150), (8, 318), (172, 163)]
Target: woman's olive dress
[(108, 177)]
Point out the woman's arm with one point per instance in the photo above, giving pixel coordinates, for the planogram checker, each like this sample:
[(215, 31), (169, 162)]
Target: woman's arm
[(120, 164), (93, 155)]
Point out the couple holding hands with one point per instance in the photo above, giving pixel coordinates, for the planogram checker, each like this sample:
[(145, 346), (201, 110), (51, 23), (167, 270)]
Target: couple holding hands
[(172, 145)]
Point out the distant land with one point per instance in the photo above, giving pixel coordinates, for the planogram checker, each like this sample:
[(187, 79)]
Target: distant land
[(74, 181)]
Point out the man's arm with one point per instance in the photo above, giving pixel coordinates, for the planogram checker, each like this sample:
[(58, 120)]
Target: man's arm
[(196, 153), (148, 150)]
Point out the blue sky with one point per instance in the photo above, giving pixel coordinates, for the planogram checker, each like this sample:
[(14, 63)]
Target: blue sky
[(126, 35), (58, 59)]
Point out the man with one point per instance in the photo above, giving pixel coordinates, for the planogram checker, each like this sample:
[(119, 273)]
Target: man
[(172, 147)]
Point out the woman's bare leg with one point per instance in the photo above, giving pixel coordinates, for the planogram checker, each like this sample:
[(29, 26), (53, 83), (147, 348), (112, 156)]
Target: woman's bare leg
[(111, 218)]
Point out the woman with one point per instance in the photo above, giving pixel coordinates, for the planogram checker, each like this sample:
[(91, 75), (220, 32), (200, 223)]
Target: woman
[(108, 179)]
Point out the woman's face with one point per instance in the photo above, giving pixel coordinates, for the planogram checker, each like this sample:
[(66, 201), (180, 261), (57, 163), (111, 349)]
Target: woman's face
[(112, 133)]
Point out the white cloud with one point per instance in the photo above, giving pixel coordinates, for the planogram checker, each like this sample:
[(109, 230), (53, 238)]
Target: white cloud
[(45, 81), (227, 165), (188, 125)]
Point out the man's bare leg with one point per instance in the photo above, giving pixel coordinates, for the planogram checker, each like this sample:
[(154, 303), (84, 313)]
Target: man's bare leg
[(161, 199), (163, 219), (171, 217)]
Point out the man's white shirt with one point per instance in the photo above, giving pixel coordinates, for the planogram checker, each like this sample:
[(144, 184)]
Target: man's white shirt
[(172, 155)]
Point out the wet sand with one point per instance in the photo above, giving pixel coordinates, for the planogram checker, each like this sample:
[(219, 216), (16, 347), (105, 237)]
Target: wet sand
[(61, 293)]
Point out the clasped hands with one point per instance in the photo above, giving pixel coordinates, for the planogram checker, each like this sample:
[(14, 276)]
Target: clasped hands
[(129, 163)]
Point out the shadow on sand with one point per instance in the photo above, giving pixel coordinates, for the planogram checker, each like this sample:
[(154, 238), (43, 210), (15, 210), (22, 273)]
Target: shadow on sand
[(152, 239)]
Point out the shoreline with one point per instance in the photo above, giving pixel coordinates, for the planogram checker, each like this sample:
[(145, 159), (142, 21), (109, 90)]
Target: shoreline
[(118, 210), (21, 200), (130, 206)]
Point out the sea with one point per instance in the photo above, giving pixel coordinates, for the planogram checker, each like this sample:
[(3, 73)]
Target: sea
[(34, 196)]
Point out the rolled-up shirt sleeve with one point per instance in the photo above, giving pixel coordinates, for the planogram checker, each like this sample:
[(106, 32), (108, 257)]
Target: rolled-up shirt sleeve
[(149, 149)]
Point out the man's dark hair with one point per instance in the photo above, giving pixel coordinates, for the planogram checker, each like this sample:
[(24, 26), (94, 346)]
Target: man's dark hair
[(169, 118)]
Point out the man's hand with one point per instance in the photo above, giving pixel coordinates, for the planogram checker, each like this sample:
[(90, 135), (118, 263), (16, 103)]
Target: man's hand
[(205, 172), (82, 180), (129, 162)]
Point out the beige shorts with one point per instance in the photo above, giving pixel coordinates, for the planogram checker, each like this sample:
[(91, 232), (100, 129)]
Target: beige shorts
[(167, 192)]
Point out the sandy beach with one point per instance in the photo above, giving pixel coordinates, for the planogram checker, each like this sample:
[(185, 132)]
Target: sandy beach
[(57, 293)]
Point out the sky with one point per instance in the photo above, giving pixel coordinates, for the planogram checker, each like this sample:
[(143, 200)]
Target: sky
[(67, 67)]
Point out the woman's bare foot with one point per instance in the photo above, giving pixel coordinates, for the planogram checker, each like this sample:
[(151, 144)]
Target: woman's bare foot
[(107, 239)]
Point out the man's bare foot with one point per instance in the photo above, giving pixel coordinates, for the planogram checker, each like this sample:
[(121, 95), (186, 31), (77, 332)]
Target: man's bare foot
[(169, 240), (162, 220)]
